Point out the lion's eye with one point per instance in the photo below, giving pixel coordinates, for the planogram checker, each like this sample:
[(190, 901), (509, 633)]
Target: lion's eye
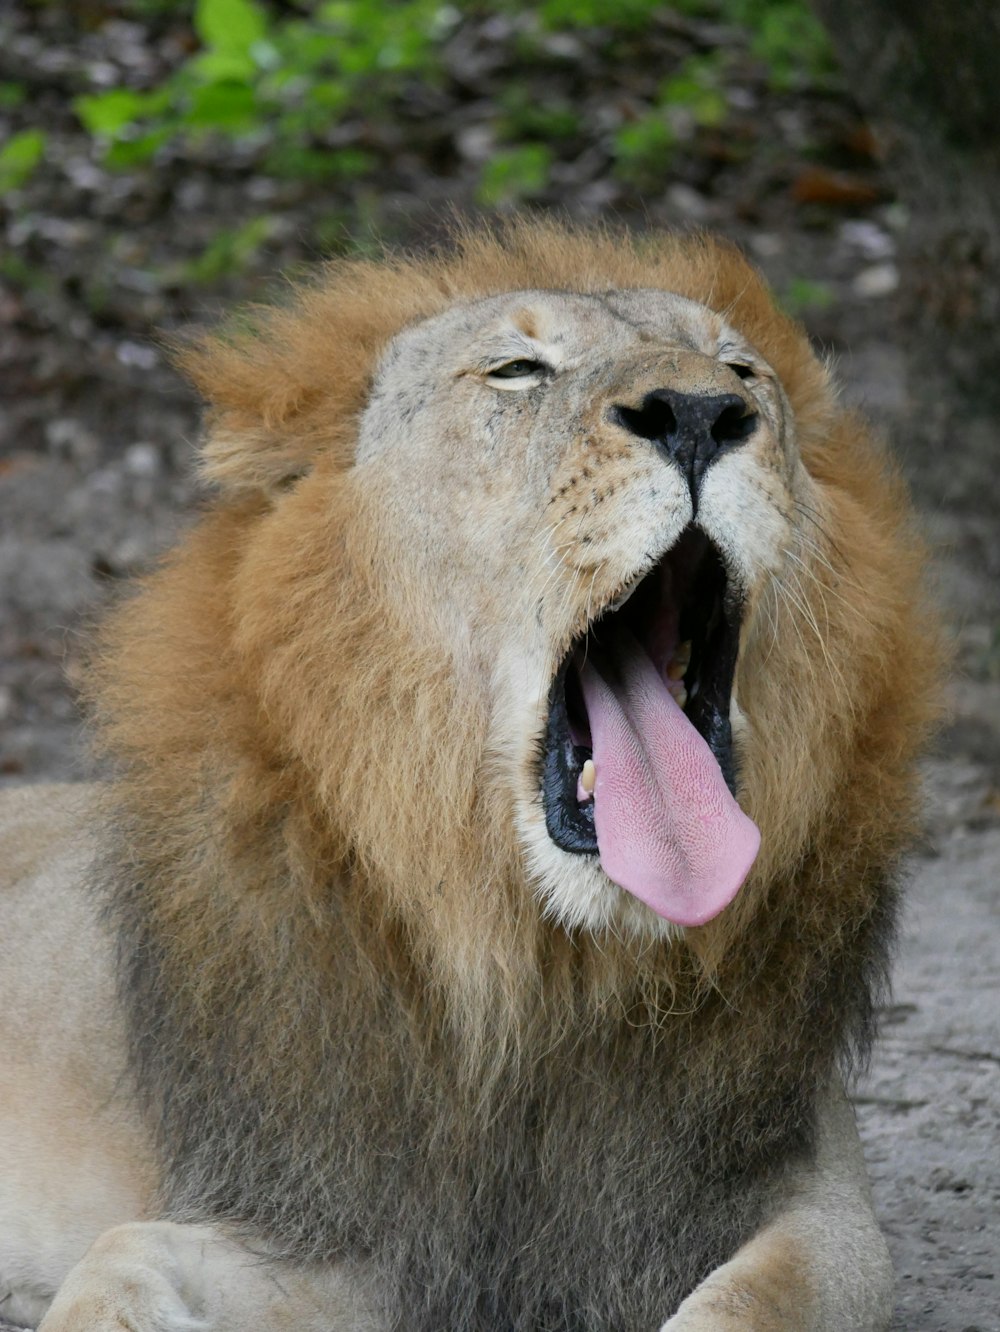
[(744, 371), (517, 370)]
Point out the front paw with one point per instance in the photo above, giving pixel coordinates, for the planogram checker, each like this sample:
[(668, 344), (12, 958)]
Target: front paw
[(705, 1320), (96, 1298), (733, 1300)]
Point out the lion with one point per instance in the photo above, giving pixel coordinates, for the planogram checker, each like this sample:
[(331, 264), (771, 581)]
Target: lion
[(512, 769)]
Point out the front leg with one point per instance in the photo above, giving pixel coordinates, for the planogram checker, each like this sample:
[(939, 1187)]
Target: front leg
[(159, 1276), (821, 1263)]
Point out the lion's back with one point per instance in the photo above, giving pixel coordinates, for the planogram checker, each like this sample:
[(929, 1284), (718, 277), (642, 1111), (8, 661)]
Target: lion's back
[(55, 984), (61, 1046)]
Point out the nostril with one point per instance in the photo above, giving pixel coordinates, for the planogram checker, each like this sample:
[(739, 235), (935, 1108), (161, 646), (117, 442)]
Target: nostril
[(655, 419), (733, 424), (691, 429)]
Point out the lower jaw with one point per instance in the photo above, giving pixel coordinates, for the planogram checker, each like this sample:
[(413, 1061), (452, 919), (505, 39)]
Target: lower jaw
[(577, 897)]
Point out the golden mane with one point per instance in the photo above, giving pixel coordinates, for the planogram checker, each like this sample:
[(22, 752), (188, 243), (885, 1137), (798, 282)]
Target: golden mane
[(262, 702)]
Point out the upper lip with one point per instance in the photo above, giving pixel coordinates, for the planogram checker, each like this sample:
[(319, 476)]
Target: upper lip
[(687, 597), (622, 595)]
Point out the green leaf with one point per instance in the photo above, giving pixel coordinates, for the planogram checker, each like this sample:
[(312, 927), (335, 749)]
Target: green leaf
[(111, 112), (644, 148), (696, 88), (328, 96), (18, 158), (514, 173), (221, 67), (230, 25), (228, 107), (133, 152)]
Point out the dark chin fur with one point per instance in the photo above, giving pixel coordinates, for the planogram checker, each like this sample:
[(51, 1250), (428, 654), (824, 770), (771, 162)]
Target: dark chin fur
[(590, 1190)]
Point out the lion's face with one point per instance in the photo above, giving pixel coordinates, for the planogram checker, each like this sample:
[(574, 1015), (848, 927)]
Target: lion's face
[(600, 490)]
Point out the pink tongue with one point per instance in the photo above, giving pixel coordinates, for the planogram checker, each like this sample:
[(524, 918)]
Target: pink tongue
[(668, 830)]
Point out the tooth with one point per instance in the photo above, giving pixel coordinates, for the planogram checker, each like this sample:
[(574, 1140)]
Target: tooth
[(588, 776), (676, 669), (681, 696), (683, 652)]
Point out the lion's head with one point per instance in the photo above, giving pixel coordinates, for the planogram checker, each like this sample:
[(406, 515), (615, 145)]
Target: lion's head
[(549, 587)]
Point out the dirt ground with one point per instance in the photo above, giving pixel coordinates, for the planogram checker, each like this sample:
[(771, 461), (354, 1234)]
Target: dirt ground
[(96, 447), (930, 1107)]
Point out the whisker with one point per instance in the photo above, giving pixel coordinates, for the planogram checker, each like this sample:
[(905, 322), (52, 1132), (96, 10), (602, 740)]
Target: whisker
[(824, 589), (783, 593), (798, 599), (811, 515)]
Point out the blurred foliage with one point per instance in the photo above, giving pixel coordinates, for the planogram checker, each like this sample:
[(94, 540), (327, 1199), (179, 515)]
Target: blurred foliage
[(514, 173), (788, 38), (23, 274), (11, 94), (523, 118), (315, 90), (802, 295), (786, 35), (692, 97), (285, 81), (229, 252), (18, 158), (627, 15)]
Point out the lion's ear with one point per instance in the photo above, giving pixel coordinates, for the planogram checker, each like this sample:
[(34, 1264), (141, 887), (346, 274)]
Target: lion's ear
[(285, 385), (271, 414), (239, 459)]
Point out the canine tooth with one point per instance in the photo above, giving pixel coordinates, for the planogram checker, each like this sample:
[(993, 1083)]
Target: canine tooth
[(676, 669), (588, 776), (683, 652), (681, 696)]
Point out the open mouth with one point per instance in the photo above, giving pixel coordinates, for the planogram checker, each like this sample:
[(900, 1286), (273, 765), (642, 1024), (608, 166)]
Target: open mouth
[(638, 764)]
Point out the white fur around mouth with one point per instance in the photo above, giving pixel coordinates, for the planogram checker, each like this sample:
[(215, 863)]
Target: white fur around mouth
[(620, 600)]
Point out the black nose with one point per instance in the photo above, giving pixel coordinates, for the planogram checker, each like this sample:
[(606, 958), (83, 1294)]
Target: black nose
[(690, 428)]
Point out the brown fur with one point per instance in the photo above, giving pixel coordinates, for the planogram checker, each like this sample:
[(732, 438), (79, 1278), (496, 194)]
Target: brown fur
[(350, 1023)]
